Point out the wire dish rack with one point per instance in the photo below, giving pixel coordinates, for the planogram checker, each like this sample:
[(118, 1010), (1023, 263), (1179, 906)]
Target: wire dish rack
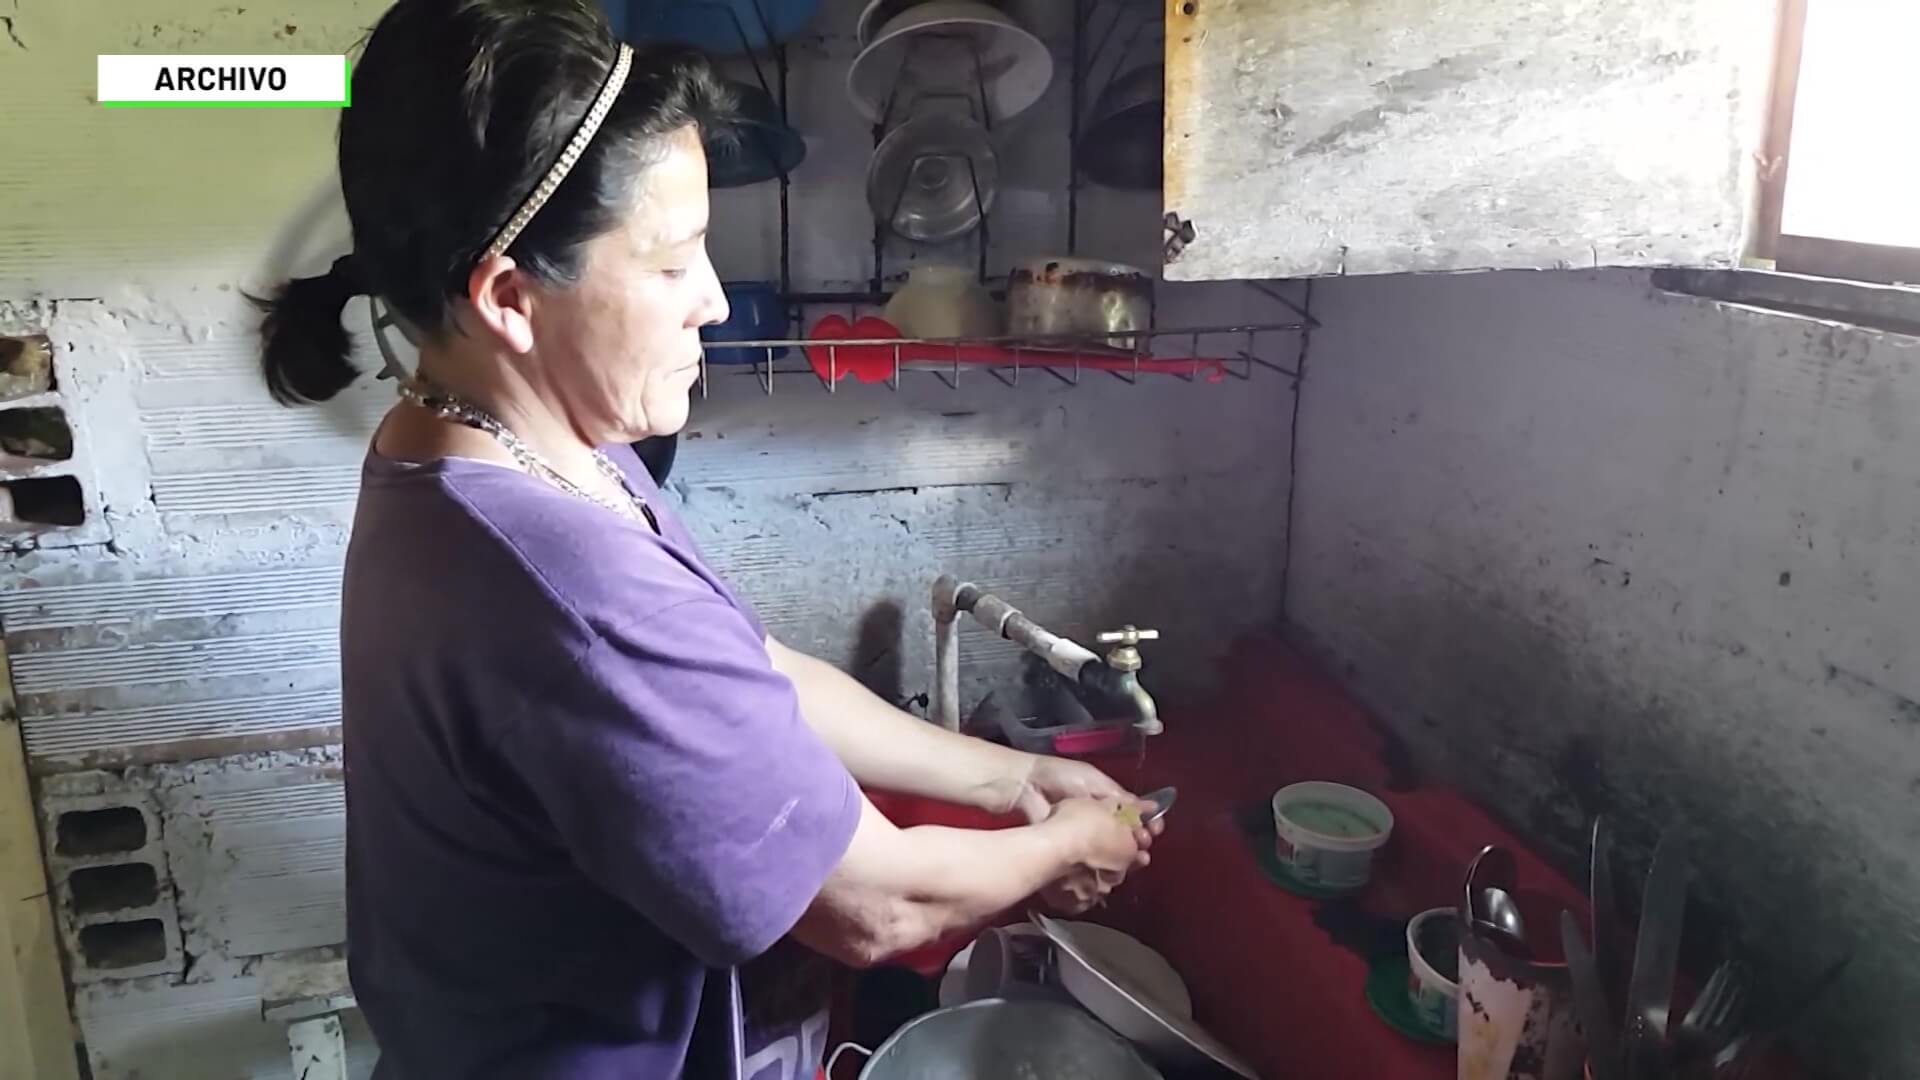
[(1236, 353)]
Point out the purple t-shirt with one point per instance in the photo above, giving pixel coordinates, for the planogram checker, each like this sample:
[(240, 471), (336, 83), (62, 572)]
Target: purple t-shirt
[(578, 793)]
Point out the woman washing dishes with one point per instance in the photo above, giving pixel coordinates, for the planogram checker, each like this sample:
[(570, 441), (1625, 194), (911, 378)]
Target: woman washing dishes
[(585, 788)]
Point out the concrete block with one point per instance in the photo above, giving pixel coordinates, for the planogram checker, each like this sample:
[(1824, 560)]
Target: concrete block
[(35, 433), (115, 900), (26, 366)]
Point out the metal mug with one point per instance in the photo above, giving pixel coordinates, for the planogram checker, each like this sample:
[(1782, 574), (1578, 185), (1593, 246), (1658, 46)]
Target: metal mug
[(1516, 1018)]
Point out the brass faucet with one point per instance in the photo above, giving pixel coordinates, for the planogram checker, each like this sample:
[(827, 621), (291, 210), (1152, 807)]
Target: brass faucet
[(1124, 660), (1125, 654)]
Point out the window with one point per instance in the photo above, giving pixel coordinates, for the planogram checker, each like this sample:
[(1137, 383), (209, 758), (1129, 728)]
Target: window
[(1846, 189)]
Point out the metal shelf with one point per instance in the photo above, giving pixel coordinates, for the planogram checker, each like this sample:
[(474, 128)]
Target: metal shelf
[(1065, 357), (1106, 36), (1129, 25)]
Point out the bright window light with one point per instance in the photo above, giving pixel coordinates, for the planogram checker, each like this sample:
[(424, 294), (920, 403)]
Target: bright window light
[(1853, 173)]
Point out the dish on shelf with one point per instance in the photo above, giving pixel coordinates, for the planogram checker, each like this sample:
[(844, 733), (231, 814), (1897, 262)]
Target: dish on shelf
[(944, 302), (877, 14), (957, 48), (722, 27), (754, 313), (1049, 297), (759, 148), (1121, 145), (933, 178)]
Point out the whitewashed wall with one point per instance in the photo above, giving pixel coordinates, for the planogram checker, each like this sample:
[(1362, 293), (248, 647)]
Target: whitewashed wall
[(1596, 548), (174, 658)]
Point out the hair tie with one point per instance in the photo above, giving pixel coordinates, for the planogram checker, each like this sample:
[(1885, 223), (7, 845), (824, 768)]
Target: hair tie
[(349, 271), (582, 136)]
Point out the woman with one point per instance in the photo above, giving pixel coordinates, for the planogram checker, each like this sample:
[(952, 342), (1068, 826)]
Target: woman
[(584, 786)]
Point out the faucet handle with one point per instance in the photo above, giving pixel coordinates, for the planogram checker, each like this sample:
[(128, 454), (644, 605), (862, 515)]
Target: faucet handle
[(1123, 657)]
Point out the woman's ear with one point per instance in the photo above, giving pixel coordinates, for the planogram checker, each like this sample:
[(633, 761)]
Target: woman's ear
[(502, 303)]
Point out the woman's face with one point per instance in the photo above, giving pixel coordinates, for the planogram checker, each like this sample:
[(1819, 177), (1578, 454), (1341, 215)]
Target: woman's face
[(621, 348)]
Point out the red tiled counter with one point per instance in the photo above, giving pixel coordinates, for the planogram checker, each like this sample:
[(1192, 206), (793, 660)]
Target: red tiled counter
[(1265, 968)]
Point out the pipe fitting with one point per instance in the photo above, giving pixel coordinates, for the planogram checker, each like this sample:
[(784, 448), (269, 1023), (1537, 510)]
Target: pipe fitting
[(1114, 678)]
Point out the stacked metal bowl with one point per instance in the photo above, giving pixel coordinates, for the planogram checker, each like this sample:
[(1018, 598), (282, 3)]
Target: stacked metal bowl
[(937, 76)]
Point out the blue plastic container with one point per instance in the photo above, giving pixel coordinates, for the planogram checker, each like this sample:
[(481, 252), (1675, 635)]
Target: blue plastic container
[(757, 314), (721, 27)]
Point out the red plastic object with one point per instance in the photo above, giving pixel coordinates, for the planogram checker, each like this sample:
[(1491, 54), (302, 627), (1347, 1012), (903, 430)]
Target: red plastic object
[(1099, 740)]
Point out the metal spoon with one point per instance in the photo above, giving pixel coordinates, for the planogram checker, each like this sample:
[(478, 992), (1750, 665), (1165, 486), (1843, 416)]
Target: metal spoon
[(1498, 914), (1162, 801), (1493, 872), (1492, 868)]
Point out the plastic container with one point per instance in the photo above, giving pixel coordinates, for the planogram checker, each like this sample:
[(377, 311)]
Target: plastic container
[(1067, 740), (754, 313), (721, 27), (944, 302), (1070, 731), (1436, 998), (1325, 834)]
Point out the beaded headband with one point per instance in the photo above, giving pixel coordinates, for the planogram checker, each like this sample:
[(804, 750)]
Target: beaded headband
[(589, 126)]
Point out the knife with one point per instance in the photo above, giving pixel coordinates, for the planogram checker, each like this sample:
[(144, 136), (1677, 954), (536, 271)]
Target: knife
[(1590, 1003), (1650, 989), (1609, 936)]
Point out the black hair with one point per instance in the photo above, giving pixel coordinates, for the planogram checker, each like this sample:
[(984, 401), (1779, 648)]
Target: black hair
[(459, 109)]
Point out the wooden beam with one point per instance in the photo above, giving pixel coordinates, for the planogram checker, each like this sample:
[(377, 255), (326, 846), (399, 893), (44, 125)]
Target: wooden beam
[(1320, 137), (36, 1030)]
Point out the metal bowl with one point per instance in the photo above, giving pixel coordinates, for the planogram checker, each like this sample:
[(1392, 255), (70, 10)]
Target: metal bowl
[(933, 178), (760, 146), (1001, 1038), (1121, 145), (875, 15)]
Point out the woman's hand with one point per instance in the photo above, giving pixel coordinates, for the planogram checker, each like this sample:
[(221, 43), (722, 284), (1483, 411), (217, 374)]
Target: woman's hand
[(1051, 783), (1107, 846), (1050, 780), (1096, 836)]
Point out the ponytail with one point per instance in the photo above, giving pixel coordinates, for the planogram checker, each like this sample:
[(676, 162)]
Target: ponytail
[(304, 348)]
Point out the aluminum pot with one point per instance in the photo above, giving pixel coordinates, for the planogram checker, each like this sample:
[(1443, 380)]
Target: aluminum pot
[(1084, 298), (998, 1038)]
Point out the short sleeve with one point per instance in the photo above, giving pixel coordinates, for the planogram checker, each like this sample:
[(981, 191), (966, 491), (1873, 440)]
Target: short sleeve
[(674, 763)]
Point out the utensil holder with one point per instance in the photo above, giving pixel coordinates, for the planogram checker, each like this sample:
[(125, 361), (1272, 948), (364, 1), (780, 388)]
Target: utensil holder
[(1516, 1017)]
